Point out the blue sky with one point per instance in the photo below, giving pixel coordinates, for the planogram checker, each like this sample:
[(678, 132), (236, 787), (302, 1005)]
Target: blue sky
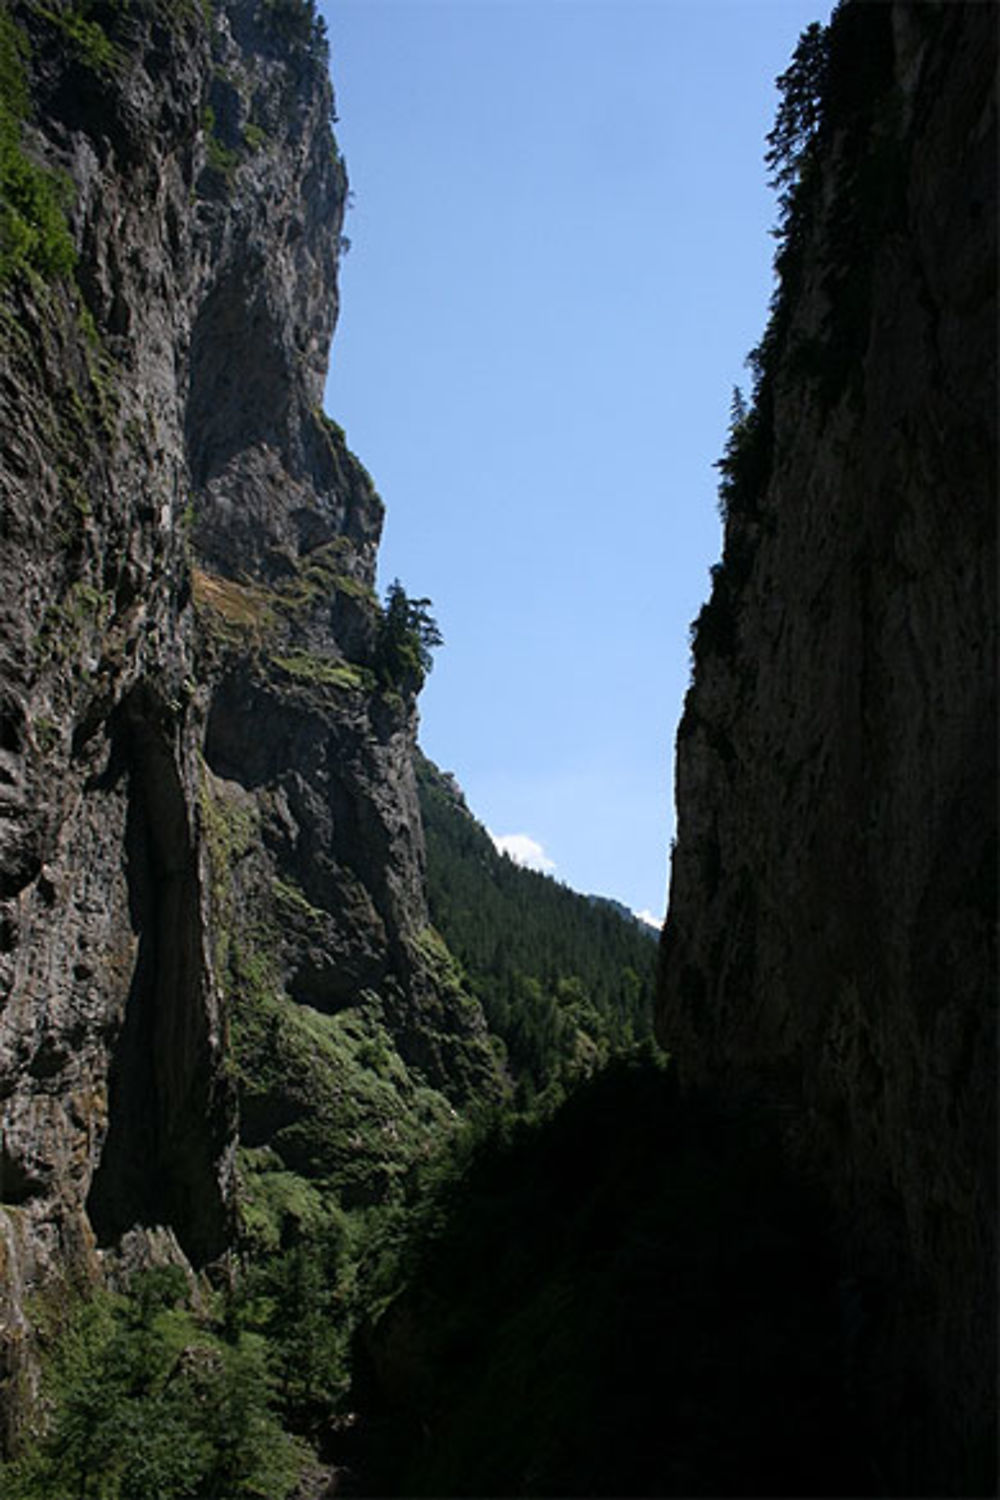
[(560, 258)]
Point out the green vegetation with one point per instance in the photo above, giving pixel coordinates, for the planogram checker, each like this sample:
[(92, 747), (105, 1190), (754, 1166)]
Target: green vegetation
[(230, 823), (335, 1128), (67, 626), (564, 982), (323, 572), (838, 85), (509, 1259), (255, 136), (259, 618), (247, 613), (34, 234), (329, 1095), (335, 434), (149, 1400), (324, 671), (332, 432), (221, 158), (348, 1155), (86, 40), (625, 1298), (288, 895), (408, 635), (297, 23), (334, 1123), (46, 733), (792, 142)]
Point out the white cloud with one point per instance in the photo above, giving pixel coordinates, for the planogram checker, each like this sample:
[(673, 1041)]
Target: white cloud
[(524, 850), (649, 919)]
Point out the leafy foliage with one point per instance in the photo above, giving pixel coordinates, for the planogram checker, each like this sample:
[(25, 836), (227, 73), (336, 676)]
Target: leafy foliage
[(149, 1402), (328, 1095), (334, 1122), (563, 980), (408, 635)]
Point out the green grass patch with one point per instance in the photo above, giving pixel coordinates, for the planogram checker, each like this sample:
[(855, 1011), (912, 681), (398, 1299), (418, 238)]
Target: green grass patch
[(86, 40), (320, 574), (246, 608), (34, 234), (221, 158), (324, 671), (295, 900)]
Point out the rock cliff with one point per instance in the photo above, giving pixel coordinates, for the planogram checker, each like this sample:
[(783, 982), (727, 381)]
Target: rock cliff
[(211, 848), (829, 950)]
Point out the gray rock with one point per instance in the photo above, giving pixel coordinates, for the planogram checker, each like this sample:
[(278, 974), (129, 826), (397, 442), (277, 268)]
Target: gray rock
[(194, 745)]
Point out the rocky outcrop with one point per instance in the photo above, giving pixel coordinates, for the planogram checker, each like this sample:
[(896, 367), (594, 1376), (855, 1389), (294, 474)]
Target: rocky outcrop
[(830, 942), (206, 789)]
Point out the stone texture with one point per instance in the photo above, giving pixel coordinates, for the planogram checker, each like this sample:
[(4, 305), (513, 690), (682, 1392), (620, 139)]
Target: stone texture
[(192, 728), (830, 940)]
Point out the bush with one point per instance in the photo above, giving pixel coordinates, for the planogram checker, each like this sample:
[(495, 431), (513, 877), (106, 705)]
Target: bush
[(145, 1403)]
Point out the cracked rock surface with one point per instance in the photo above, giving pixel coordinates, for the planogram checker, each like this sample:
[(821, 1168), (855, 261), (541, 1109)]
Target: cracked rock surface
[(202, 779)]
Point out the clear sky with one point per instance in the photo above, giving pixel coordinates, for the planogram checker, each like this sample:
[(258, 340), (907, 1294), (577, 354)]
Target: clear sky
[(560, 258)]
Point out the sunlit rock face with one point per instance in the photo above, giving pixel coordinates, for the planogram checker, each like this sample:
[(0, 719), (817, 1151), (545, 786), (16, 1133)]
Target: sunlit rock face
[(206, 793), (830, 942)]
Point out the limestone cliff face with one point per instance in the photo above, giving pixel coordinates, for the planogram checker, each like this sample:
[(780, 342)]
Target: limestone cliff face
[(830, 942), (206, 789)]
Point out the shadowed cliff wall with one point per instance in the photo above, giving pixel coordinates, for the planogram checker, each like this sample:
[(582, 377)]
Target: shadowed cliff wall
[(830, 944)]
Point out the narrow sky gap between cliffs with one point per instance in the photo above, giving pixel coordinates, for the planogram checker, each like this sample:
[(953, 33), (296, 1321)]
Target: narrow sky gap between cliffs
[(559, 259)]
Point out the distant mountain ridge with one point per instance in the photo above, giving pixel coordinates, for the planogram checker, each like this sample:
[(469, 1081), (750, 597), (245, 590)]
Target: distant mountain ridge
[(564, 979), (625, 912)]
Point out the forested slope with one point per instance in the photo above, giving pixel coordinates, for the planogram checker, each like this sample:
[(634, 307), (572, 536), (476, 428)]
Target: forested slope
[(564, 980)]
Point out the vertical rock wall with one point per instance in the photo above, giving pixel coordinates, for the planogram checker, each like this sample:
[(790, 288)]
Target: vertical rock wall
[(196, 748), (105, 955), (830, 945)]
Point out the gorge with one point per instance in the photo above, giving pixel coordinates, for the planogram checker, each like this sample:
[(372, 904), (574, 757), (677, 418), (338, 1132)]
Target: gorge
[(337, 1155)]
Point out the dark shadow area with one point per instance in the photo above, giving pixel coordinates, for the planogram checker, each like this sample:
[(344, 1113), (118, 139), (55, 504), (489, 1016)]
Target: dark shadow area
[(630, 1299), (247, 738), (240, 383), (168, 1114)]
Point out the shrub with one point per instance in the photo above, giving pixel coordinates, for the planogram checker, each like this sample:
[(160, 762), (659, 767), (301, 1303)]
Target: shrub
[(145, 1401)]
